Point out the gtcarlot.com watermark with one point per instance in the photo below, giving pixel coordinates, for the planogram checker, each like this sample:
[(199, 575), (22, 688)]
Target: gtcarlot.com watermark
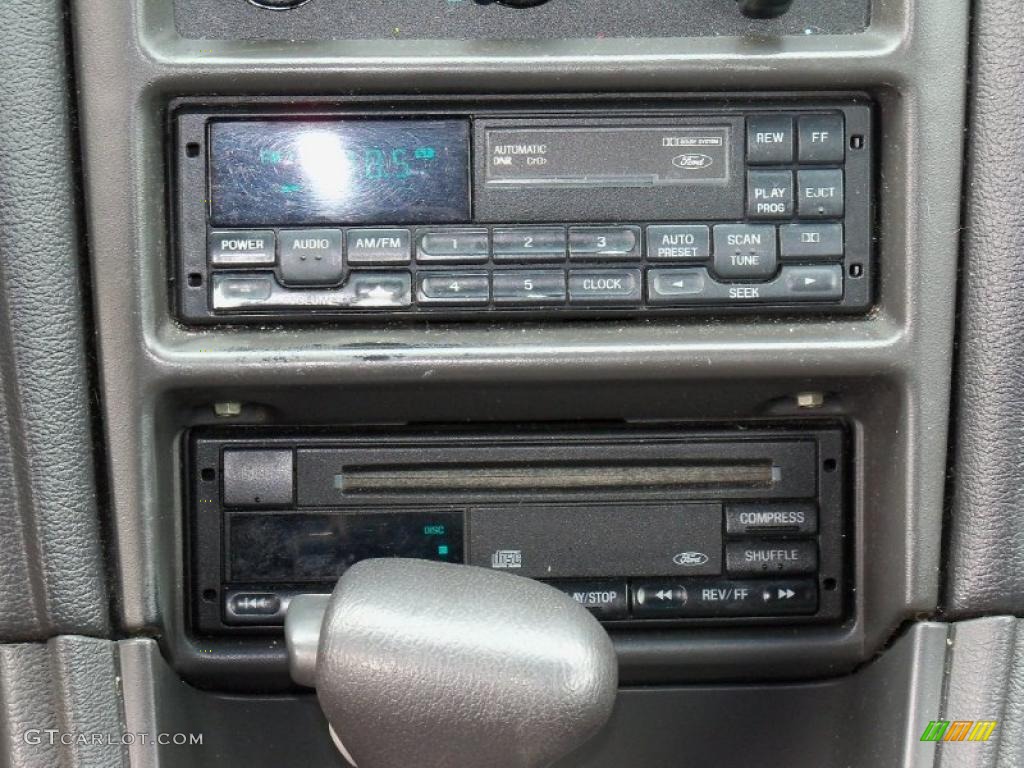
[(37, 736)]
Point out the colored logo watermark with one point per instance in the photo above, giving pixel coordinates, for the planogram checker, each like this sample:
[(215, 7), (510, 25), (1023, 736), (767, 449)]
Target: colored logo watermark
[(959, 730)]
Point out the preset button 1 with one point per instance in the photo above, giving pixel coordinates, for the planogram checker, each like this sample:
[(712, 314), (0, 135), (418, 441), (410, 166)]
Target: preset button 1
[(469, 246)]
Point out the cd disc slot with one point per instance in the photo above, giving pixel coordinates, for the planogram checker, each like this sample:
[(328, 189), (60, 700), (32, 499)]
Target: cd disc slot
[(566, 477)]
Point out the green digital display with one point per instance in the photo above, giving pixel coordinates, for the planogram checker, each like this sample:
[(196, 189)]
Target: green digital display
[(339, 172)]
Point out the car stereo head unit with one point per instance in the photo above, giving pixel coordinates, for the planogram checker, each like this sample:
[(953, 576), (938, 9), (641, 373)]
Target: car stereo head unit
[(649, 527), (533, 211)]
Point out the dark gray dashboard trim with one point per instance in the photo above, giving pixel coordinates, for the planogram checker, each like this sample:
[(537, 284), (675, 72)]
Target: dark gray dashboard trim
[(888, 374)]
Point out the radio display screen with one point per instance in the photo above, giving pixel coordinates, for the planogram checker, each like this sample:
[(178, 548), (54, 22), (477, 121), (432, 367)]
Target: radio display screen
[(266, 173), (295, 547)]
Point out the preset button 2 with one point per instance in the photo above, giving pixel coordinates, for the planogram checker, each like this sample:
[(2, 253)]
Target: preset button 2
[(522, 244)]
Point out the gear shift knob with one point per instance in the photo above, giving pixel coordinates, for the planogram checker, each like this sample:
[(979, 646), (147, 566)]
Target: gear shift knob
[(439, 665)]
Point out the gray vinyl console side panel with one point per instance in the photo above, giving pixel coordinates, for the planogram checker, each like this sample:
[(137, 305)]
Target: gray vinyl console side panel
[(986, 548), (52, 576), (986, 682), (60, 705), (26, 702), (886, 375)]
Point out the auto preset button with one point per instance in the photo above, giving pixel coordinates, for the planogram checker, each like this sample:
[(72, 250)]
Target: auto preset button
[(311, 257), (770, 194), (770, 140), (745, 251), (767, 557), (467, 246), (378, 246), (466, 288), (820, 194), (678, 242), (605, 286), (607, 599), (546, 286), (528, 244), (242, 248), (604, 243)]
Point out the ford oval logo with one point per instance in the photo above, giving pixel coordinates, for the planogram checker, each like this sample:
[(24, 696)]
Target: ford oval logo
[(690, 558), (692, 161)]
